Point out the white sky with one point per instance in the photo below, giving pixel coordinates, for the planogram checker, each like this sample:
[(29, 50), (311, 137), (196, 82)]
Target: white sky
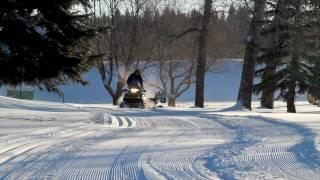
[(188, 5)]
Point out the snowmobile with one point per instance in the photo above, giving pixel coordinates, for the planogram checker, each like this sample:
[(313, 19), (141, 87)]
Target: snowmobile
[(134, 98)]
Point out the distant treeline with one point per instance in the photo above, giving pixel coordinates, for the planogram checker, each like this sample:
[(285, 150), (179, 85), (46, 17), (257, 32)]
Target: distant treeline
[(144, 36), (170, 27)]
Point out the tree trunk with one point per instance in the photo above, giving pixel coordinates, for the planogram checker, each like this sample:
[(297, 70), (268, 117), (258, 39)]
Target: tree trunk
[(250, 58), (294, 65), (118, 92), (115, 100), (202, 55), (172, 95), (291, 108), (172, 101), (292, 84), (116, 96), (267, 99)]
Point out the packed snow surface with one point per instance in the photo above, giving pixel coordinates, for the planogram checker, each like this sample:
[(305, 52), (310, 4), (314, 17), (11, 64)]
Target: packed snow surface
[(42, 140)]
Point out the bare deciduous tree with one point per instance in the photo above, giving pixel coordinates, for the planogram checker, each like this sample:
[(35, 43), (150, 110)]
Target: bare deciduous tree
[(127, 46), (175, 76), (175, 55), (202, 54)]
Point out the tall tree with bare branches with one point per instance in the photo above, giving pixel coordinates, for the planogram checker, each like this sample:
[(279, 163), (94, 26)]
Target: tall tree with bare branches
[(126, 47), (202, 54)]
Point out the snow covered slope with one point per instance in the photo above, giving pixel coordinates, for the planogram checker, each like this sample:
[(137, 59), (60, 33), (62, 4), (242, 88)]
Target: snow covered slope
[(44, 140), (220, 86), (223, 85)]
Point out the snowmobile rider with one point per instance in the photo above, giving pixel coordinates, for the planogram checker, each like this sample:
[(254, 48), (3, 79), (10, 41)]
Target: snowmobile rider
[(135, 80)]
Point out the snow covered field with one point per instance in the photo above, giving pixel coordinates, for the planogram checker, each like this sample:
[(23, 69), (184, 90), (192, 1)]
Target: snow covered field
[(220, 86), (43, 140)]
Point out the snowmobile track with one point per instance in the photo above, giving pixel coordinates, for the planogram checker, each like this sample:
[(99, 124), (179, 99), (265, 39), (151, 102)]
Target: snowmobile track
[(266, 154), (162, 144)]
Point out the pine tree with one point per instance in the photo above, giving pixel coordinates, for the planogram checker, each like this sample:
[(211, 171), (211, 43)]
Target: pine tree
[(297, 51), (244, 17), (231, 18), (44, 43), (274, 35)]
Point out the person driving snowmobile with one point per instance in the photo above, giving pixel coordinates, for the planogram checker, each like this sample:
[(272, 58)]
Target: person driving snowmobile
[(135, 79)]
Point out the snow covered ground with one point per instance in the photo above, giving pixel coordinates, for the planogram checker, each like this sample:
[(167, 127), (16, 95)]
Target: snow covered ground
[(44, 140), (220, 86)]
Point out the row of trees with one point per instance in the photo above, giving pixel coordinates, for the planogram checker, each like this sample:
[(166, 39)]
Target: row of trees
[(284, 38), (50, 43), (175, 44)]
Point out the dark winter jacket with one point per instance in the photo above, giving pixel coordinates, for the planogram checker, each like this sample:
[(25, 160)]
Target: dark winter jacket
[(134, 80)]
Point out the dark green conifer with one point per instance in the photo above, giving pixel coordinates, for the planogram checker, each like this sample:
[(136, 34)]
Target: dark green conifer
[(293, 53), (44, 43)]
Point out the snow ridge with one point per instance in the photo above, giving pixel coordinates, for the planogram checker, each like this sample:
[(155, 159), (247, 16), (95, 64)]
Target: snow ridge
[(265, 149)]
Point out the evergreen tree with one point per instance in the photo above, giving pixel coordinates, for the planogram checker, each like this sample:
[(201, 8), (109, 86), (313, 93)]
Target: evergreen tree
[(44, 43), (243, 17), (232, 16), (297, 51), (274, 34)]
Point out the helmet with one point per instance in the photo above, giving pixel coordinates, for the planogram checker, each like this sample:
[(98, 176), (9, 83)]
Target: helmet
[(137, 71)]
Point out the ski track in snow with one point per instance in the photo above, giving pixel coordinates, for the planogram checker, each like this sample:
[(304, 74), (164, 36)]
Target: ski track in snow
[(265, 149), (162, 144)]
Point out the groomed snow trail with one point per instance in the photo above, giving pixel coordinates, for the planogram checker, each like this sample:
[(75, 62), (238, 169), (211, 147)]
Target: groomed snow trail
[(265, 149), (113, 143)]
